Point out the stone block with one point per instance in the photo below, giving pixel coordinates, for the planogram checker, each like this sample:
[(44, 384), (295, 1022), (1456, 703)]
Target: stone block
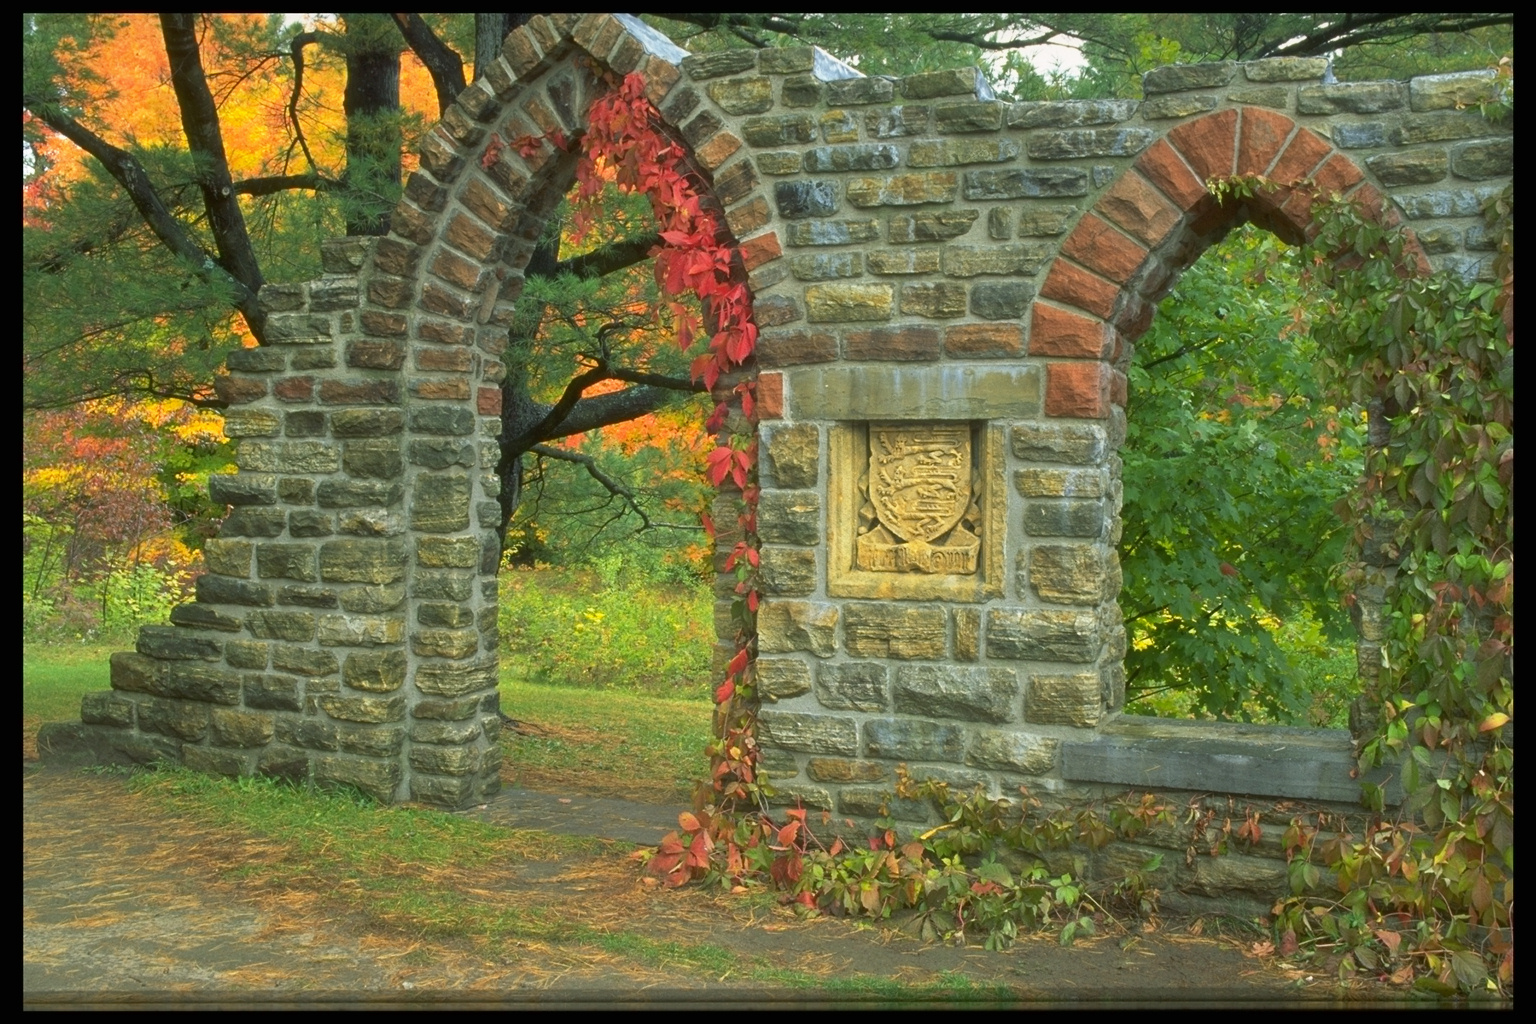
[(935, 299), (1454, 91), (1351, 98), (902, 261), (787, 626), (1486, 158), (361, 630), (913, 739), (937, 226), (365, 422), (854, 91), (1181, 77), (998, 300), (304, 661), (379, 459), (1041, 221), (1070, 113), (969, 261), (168, 643), (225, 590), (868, 156), (373, 741), (1286, 69), (447, 679), (831, 232), (904, 189), (214, 761), (1066, 573), (967, 633), (1077, 143), (1012, 751), (968, 116), (232, 728), (1065, 519), (794, 454), (184, 719), (298, 627), (106, 708), (1414, 167), (856, 686), (842, 303), (1059, 483), (446, 552), (287, 561), (444, 614), (800, 199), (454, 760), (782, 678), (876, 392), (243, 489), (986, 341), (951, 82), (897, 121), (362, 561), (1079, 444), (446, 710), (440, 502), (369, 494), (1165, 107), (1072, 699), (969, 694), (445, 733), (814, 734), (789, 517), (895, 631), (201, 616), (1026, 184), (958, 152), (826, 266), (368, 710), (909, 343), (840, 769), (868, 801), (378, 778), (1042, 635), (228, 557), (747, 95), (272, 693), (787, 571), (800, 795), (445, 643)]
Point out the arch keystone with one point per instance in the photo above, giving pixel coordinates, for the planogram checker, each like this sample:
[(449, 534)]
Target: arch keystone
[(1263, 135), (1209, 143)]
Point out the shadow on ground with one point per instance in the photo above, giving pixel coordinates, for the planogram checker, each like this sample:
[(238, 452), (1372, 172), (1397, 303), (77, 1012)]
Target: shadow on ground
[(126, 903)]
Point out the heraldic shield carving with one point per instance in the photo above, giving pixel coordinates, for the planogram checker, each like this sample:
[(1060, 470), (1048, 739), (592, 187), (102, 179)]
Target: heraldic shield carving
[(918, 510)]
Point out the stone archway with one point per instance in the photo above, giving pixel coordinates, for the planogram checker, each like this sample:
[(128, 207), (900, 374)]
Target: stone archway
[(946, 286)]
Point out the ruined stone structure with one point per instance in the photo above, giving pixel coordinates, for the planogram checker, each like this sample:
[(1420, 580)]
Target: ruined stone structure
[(949, 288)]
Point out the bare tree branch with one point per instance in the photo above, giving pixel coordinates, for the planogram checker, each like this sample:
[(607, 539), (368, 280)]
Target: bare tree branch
[(444, 65), (604, 261), (284, 183), (200, 124), (296, 49)]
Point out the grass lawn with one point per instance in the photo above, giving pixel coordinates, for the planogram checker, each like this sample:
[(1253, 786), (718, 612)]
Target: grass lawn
[(53, 679)]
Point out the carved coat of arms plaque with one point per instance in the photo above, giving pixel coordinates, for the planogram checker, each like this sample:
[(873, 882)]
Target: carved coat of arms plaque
[(919, 510)]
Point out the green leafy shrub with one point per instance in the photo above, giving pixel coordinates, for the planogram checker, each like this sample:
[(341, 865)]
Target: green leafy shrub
[(610, 625)]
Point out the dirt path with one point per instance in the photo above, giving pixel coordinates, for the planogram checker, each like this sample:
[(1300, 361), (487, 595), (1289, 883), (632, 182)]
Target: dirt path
[(123, 901)]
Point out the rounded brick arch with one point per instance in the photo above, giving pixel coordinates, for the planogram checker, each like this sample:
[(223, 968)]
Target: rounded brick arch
[(1146, 229)]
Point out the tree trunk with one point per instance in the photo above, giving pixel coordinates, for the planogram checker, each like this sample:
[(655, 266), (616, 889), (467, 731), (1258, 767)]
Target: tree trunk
[(372, 107), (490, 31)]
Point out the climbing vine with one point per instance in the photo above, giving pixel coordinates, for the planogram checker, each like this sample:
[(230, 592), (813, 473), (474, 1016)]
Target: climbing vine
[(1427, 895)]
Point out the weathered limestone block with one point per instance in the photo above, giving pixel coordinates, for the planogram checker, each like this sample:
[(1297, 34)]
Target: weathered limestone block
[(787, 571), (375, 777), (232, 728), (969, 694), (787, 626), (913, 739), (1042, 635), (782, 678), (1012, 751), (895, 631), (814, 734), (871, 801), (789, 517), (1075, 699), (856, 686), (1059, 483), (838, 769), (1066, 573)]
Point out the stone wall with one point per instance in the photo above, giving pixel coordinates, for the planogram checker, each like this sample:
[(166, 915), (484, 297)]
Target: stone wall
[(949, 288)]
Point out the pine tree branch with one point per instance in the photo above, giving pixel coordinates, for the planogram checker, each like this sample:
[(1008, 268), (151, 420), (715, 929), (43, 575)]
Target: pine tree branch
[(444, 65), (612, 486), (200, 124), (129, 173)]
